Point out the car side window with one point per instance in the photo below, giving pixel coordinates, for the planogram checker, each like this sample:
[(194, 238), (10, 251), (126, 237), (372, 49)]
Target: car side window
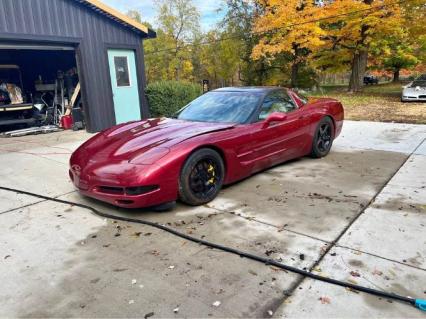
[(277, 101)]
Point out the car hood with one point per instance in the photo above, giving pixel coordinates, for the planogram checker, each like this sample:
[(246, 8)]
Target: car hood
[(125, 141), (414, 90)]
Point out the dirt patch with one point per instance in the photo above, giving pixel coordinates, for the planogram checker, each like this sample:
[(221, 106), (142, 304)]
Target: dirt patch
[(381, 103)]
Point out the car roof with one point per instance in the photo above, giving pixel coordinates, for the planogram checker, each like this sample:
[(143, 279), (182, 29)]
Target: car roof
[(252, 89)]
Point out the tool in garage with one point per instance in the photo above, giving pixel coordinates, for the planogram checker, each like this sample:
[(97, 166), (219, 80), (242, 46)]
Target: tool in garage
[(418, 303), (32, 130), (14, 107)]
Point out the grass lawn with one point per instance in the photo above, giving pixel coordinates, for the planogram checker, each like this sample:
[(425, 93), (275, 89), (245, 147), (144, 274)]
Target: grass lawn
[(380, 103)]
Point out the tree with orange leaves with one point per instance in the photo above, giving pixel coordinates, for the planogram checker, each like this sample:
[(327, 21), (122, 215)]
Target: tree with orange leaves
[(277, 24), (334, 35), (354, 28)]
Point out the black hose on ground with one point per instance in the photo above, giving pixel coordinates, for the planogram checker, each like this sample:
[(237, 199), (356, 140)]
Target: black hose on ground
[(419, 303)]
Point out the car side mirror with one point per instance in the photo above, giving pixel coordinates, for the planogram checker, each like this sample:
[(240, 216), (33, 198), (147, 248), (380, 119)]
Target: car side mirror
[(275, 117)]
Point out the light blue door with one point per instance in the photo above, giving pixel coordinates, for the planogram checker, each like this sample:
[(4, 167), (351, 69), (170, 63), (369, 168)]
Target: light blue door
[(124, 82)]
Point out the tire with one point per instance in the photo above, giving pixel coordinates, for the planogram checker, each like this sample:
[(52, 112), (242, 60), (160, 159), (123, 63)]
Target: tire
[(323, 138), (201, 177)]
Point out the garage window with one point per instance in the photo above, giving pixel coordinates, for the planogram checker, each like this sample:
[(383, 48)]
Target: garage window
[(122, 71)]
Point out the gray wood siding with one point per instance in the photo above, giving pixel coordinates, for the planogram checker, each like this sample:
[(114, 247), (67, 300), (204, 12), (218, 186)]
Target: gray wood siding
[(68, 21)]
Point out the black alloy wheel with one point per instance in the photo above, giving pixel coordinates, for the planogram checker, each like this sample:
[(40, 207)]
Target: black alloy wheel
[(323, 138), (201, 177)]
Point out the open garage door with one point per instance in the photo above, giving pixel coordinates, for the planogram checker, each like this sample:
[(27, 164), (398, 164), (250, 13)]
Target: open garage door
[(39, 84)]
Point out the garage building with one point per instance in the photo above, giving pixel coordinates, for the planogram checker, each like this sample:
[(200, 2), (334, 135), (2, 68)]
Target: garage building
[(81, 41)]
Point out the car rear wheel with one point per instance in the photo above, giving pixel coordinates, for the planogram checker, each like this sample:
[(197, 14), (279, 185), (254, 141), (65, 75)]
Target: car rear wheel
[(201, 177), (323, 138)]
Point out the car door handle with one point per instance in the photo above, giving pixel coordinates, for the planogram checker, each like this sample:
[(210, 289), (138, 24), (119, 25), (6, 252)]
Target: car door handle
[(301, 117)]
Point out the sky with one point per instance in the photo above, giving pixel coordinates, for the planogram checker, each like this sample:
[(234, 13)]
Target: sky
[(147, 8)]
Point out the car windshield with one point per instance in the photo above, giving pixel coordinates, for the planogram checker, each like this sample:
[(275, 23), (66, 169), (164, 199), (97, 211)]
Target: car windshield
[(224, 107), (420, 83)]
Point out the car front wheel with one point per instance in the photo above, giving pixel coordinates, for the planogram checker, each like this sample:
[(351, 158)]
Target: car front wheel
[(323, 138), (201, 177)]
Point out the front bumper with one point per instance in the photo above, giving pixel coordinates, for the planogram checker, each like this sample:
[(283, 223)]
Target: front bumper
[(115, 189), (413, 98)]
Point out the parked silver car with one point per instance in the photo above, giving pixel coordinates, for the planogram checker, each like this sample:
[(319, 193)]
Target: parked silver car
[(415, 91)]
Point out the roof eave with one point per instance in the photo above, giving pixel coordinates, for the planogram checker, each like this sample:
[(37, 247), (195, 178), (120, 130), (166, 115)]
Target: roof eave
[(119, 17)]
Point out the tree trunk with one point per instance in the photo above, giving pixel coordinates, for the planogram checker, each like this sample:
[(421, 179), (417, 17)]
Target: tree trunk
[(294, 73), (396, 75), (359, 65)]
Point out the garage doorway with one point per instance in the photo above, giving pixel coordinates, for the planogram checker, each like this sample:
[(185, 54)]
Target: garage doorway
[(48, 78), (124, 83)]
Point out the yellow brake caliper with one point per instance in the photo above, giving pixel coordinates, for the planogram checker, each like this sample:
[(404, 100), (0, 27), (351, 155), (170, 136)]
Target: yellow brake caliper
[(212, 174)]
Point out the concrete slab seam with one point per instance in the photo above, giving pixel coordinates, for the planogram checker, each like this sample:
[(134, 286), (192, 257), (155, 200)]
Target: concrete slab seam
[(334, 242)]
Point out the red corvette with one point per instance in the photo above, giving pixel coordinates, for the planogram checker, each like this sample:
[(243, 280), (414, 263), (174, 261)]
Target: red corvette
[(219, 138)]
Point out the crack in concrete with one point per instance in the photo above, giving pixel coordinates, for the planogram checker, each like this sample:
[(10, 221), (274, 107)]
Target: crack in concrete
[(334, 242), (20, 207), (35, 203), (253, 219), (381, 257)]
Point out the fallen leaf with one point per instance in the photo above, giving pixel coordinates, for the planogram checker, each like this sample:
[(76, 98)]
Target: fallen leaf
[(269, 252), (119, 269), (355, 273), (377, 272), (324, 300)]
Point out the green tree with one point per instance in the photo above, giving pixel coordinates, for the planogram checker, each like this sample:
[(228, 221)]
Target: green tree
[(179, 20), (398, 56), (135, 15), (220, 58), (238, 24), (169, 55)]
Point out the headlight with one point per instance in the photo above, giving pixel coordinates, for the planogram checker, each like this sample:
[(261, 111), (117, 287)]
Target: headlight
[(151, 156)]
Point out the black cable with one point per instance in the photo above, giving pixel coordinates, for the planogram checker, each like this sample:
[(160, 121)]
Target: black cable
[(421, 304), (283, 27)]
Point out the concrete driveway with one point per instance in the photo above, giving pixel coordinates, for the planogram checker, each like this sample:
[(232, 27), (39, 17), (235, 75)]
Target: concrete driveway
[(358, 215)]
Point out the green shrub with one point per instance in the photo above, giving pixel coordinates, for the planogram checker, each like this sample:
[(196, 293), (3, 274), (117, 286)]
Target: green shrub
[(165, 98)]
